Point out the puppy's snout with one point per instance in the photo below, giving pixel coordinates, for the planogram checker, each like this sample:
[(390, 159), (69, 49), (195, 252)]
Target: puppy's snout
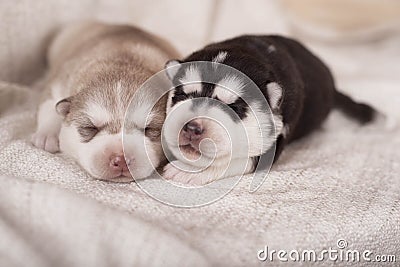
[(194, 129), (118, 163)]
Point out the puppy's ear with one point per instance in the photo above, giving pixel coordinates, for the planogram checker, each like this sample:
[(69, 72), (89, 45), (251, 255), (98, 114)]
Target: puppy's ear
[(63, 106), (275, 95), (172, 67)]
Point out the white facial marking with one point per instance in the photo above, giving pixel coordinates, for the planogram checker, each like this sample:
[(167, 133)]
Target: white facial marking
[(258, 128), (285, 130), (229, 89), (220, 57), (192, 74), (98, 114), (118, 94), (140, 113), (279, 127), (271, 48), (275, 94), (225, 95), (233, 83), (118, 87), (191, 88)]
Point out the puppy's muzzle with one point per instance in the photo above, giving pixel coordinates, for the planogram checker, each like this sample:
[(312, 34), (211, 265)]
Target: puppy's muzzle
[(193, 130), (118, 164)]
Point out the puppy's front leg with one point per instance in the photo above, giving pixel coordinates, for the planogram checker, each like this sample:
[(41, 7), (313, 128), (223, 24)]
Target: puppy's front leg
[(185, 174), (48, 127)]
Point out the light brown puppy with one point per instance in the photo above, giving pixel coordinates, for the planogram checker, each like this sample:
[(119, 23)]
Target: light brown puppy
[(94, 71)]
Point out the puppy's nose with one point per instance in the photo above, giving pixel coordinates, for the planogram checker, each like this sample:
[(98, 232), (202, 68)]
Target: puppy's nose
[(118, 163), (194, 128)]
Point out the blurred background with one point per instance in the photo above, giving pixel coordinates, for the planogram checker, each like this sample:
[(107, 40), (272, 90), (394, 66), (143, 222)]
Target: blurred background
[(358, 39), (341, 183)]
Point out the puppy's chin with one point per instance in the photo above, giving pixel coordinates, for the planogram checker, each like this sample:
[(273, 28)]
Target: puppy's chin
[(189, 152), (110, 176), (192, 156), (122, 177), (126, 177)]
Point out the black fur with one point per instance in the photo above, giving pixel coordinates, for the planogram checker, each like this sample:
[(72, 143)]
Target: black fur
[(309, 91)]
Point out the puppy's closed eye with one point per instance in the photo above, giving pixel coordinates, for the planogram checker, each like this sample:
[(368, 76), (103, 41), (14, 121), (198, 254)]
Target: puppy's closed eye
[(88, 132)]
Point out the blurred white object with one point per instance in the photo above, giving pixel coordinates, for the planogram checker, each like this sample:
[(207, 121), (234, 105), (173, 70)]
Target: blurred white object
[(344, 20)]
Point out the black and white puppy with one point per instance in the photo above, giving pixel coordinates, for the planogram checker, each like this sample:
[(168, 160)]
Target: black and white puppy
[(298, 86)]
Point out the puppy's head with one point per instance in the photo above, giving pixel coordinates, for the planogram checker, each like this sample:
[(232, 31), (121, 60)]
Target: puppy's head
[(96, 133), (214, 112)]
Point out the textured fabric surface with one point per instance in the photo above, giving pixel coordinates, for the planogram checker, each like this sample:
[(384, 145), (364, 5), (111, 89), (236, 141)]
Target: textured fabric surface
[(42, 225), (341, 182)]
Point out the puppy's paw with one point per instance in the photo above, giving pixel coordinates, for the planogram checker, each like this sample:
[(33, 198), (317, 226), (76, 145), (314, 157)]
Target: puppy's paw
[(47, 142), (182, 174)]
